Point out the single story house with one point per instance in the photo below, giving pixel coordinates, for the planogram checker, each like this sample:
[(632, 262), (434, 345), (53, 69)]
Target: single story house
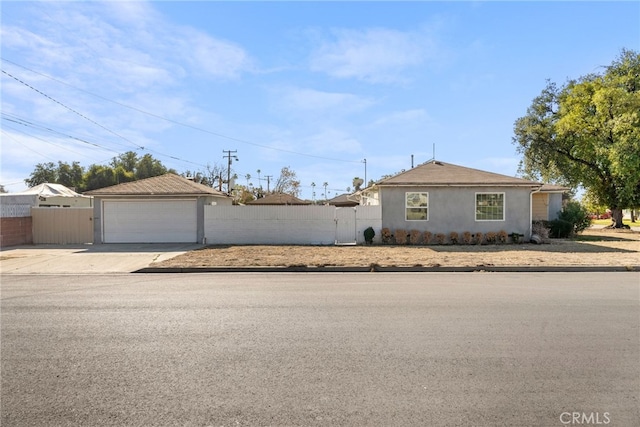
[(443, 198), (47, 195), (278, 199), (343, 201), (162, 209)]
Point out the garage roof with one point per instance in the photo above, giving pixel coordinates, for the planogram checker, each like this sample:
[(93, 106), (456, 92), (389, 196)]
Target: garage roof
[(164, 185)]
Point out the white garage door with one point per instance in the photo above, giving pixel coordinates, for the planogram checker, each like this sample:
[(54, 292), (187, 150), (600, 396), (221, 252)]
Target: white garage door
[(167, 221)]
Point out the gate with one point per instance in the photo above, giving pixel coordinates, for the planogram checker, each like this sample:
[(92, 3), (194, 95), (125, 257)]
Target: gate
[(62, 226), (345, 226)]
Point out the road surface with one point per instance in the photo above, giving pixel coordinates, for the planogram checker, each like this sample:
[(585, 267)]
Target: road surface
[(292, 349)]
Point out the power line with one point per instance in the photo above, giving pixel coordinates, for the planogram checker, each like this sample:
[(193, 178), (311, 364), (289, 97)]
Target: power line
[(183, 124), (70, 109)]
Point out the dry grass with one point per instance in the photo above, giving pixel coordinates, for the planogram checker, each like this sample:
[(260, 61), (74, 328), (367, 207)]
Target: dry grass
[(592, 248)]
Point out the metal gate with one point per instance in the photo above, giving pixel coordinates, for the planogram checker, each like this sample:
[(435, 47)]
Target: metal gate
[(345, 226), (62, 226)]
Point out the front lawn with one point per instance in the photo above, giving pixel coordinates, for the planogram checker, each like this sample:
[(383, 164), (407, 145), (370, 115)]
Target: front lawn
[(608, 222)]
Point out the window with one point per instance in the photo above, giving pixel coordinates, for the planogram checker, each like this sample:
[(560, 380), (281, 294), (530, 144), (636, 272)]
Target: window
[(417, 206), (489, 206)]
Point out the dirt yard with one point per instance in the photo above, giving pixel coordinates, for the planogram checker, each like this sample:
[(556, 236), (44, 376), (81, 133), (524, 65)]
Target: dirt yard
[(591, 248)]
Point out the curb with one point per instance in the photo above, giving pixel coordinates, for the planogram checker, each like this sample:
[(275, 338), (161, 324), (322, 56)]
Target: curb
[(379, 269)]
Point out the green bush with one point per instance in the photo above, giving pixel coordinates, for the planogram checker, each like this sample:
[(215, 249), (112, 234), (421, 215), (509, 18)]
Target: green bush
[(560, 229), (577, 215), (369, 234)]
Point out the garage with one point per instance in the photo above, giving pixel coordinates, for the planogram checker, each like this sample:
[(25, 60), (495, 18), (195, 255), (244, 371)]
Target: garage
[(162, 221), (161, 209)]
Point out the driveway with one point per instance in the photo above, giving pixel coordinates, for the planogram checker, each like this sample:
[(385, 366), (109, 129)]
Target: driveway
[(87, 259)]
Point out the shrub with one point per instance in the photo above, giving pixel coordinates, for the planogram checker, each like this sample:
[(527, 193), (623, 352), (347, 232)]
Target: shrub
[(426, 237), (401, 236), (467, 237), (541, 229), (369, 234), (515, 237), (560, 229), (502, 236), (414, 237), (575, 214), (453, 237), (441, 238), (385, 235), (479, 237), (491, 237)]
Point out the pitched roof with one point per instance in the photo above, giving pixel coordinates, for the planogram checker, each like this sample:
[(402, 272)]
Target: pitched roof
[(553, 188), (436, 173), (164, 185), (278, 199), (50, 190), (342, 200)]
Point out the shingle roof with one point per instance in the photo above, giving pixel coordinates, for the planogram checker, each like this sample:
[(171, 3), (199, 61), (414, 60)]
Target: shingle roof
[(553, 188), (342, 199), (278, 199), (444, 174), (164, 185)]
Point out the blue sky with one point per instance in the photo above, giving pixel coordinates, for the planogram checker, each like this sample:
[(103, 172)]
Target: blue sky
[(316, 86)]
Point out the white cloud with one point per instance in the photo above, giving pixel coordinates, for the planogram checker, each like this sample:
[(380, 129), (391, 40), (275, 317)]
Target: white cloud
[(373, 55)]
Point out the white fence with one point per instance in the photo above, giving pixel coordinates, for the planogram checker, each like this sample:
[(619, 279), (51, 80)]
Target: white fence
[(14, 210), (300, 225)]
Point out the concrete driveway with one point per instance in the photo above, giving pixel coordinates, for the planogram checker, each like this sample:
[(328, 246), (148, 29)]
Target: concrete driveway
[(87, 259)]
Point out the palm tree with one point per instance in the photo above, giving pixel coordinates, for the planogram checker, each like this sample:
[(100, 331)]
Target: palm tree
[(248, 176), (313, 192), (325, 185)]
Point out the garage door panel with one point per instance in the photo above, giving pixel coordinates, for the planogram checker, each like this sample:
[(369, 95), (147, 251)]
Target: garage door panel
[(172, 221)]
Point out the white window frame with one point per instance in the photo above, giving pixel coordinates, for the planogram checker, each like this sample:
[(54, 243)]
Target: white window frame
[(504, 205), (407, 206)]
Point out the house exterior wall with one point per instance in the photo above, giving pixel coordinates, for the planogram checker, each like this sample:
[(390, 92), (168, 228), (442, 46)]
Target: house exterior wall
[(555, 205), (540, 206), (453, 209)]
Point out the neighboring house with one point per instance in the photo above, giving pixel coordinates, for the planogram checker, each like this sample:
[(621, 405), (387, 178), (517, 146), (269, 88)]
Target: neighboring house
[(343, 200), (278, 199), (25, 217), (443, 198), (161, 209), (547, 202), (47, 195)]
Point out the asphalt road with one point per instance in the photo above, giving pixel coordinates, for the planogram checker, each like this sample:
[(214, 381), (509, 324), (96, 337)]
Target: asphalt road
[(432, 349)]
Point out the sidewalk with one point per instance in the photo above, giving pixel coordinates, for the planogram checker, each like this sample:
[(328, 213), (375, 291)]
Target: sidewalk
[(87, 259)]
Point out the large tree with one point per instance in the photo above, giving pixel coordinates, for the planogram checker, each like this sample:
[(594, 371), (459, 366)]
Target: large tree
[(69, 175), (587, 133), (287, 182)]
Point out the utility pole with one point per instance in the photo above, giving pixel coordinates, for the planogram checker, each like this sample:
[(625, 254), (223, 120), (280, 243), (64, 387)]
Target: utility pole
[(268, 177), (365, 174), (229, 155)]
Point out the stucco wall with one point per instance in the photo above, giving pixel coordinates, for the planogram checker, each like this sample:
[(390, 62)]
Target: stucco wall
[(555, 205), (453, 209)]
